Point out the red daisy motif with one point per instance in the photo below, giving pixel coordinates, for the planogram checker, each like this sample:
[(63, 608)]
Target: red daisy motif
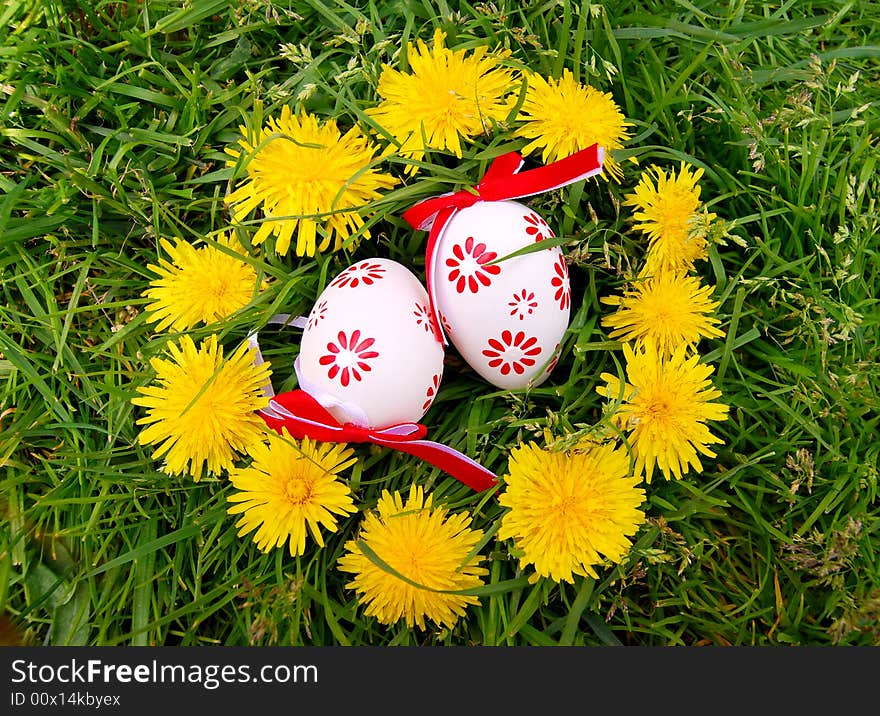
[(512, 352), (537, 227), (553, 361), (423, 318), (317, 314), (561, 283), (356, 274), (523, 304), (469, 268), (348, 358), (444, 321), (432, 392)]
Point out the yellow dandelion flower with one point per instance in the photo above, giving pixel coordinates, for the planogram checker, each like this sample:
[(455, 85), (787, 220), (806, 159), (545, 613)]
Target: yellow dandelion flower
[(291, 489), (202, 412), (422, 543), (199, 285), (666, 206), (446, 96), (562, 116), (670, 309), (664, 408), (570, 511), (311, 180)]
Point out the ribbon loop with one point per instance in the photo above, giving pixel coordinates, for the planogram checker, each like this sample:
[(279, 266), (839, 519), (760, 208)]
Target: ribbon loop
[(402, 432), (303, 416), (503, 180)]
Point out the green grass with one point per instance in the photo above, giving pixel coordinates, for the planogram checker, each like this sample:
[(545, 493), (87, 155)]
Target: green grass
[(113, 119)]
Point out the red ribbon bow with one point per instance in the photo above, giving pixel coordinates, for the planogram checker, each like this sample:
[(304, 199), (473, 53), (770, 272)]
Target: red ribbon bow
[(303, 416), (501, 181)]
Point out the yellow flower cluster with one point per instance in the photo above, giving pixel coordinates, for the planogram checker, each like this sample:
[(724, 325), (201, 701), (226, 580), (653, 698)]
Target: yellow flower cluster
[(567, 513), (571, 511), (313, 183), (201, 411), (667, 397)]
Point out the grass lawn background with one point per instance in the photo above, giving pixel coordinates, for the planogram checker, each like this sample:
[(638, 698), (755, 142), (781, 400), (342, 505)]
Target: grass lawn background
[(114, 118)]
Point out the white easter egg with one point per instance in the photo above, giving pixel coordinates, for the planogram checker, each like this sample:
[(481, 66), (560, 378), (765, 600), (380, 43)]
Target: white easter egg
[(506, 319), (369, 352)]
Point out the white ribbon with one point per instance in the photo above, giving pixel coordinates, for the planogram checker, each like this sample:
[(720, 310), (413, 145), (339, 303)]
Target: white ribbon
[(284, 320), (342, 410)]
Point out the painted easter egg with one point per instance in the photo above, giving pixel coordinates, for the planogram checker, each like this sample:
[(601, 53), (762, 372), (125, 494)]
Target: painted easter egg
[(506, 318), (370, 353)]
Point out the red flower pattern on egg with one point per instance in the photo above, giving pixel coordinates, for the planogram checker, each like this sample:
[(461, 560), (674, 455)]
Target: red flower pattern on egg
[(444, 321), (356, 274), (561, 283), (432, 392), (523, 304), (348, 357), (423, 318), (512, 352), (554, 360), (537, 228), (317, 314), (468, 264)]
